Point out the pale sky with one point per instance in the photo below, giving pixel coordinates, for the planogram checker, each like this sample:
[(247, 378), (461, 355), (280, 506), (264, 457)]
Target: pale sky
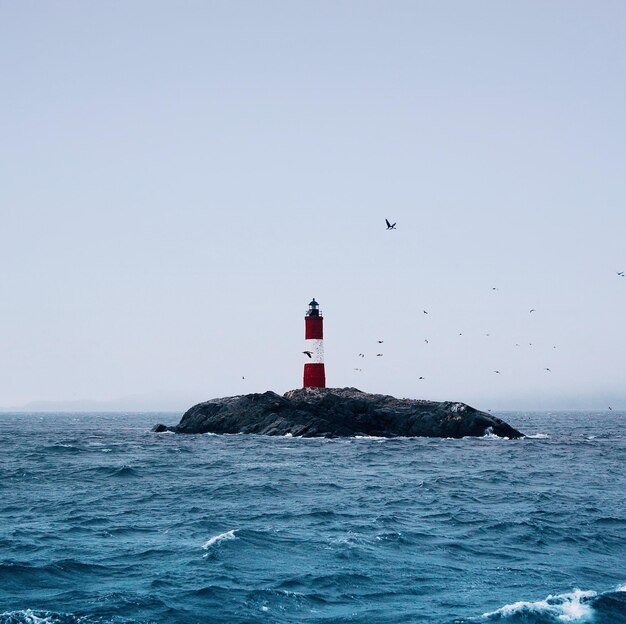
[(179, 179)]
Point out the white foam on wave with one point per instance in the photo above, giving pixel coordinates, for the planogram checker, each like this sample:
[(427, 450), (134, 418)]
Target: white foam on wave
[(621, 588), (28, 616), (571, 607), (219, 538), (537, 436), (488, 435), (368, 437)]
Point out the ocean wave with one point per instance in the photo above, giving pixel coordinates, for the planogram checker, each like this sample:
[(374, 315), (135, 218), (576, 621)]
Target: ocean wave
[(60, 447), (16, 574), (570, 607), (575, 606), (123, 471), (216, 539), (537, 436), (28, 616)]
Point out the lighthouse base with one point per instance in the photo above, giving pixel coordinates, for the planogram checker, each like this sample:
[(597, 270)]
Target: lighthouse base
[(314, 376)]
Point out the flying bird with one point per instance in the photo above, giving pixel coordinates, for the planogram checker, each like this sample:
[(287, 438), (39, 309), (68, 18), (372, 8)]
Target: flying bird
[(547, 369), (498, 372), (620, 273), (426, 340), (494, 288), (390, 226), (379, 355), (610, 408), (420, 377), (361, 354), (380, 341), (424, 311), (309, 353), (533, 310)]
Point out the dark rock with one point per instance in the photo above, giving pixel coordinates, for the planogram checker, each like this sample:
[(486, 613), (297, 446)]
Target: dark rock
[(160, 428), (338, 412)]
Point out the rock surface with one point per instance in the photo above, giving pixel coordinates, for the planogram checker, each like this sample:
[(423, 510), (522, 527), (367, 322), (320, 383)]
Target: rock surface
[(338, 412)]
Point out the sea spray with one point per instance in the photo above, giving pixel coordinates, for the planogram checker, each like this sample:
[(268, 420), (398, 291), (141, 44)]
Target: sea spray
[(216, 539), (569, 607)]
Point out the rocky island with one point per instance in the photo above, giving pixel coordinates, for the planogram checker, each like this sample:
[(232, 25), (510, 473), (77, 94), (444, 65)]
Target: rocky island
[(338, 412)]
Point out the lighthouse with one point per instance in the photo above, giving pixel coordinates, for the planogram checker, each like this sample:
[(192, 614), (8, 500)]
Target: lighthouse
[(314, 375)]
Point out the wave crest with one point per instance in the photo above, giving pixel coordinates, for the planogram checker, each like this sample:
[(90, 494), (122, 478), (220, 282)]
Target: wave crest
[(28, 616), (570, 607), (219, 538)]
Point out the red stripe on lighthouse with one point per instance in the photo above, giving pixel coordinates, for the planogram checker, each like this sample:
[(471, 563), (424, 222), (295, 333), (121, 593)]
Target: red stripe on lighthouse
[(313, 327), (314, 376)]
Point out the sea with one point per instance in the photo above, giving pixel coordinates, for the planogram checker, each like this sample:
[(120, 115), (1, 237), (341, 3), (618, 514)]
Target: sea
[(102, 521)]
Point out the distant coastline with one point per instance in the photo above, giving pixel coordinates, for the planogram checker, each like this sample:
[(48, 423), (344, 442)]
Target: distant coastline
[(135, 403)]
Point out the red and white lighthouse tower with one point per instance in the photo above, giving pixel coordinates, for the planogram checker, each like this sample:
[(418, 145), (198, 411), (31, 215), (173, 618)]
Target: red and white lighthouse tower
[(314, 374)]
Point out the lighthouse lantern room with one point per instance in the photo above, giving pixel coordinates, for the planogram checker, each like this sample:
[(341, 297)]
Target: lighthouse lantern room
[(314, 374)]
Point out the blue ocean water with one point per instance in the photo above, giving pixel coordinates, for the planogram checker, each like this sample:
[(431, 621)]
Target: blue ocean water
[(103, 521)]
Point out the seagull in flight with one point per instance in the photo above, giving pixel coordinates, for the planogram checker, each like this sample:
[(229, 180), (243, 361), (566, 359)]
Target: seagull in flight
[(381, 341), (547, 369), (390, 226), (426, 340), (424, 311), (309, 353), (533, 310), (379, 355), (361, 354), (498, 372), (420, 377), (610, 408), (620, 273)]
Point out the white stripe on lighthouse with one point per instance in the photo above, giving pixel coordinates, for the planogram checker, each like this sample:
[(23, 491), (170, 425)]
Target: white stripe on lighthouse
[(316, 347)]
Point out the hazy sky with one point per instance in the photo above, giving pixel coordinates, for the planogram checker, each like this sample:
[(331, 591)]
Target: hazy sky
[(179, 179)]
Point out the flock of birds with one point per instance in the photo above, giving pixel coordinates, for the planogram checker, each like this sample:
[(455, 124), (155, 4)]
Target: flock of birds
[(392, 226)]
